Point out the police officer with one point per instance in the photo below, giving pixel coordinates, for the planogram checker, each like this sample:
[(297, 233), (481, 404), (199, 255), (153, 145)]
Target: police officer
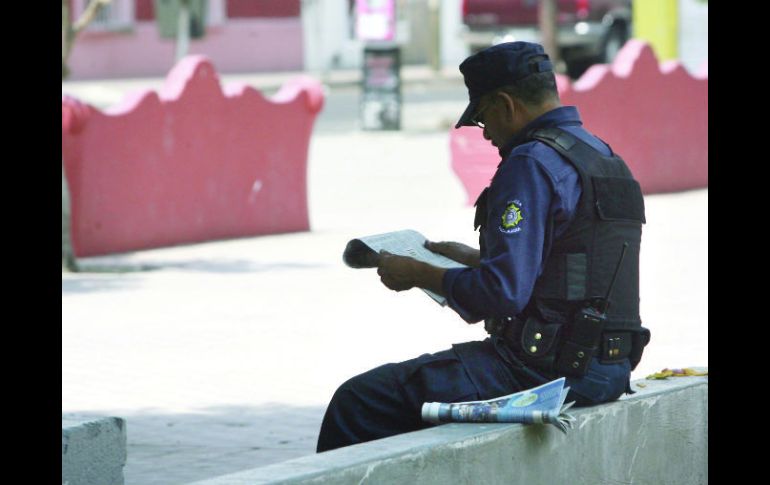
[(560, 230)]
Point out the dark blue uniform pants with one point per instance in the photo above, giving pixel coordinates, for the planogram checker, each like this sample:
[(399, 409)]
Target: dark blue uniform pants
[(387, 400)]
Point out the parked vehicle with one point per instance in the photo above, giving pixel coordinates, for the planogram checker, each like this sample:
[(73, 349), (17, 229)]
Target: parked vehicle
[(588, 31)]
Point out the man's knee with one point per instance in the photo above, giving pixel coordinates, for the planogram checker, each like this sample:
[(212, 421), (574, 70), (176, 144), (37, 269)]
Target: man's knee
[(365, 407), (363, 390)]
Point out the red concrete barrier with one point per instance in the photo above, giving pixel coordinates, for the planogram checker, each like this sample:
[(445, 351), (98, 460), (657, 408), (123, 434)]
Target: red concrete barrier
[(655, 115), (189, 163)]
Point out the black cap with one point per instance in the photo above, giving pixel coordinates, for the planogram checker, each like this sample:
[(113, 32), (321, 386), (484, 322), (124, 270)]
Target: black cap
[(498, 66)]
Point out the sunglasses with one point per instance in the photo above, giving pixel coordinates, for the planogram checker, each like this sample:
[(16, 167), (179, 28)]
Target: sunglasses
[(477, 119)]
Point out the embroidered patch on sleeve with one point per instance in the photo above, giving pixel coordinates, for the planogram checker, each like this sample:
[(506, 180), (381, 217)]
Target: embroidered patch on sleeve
[(512, 218)]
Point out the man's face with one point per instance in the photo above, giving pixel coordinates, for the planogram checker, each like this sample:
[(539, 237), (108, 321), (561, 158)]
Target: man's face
[(491, 118)]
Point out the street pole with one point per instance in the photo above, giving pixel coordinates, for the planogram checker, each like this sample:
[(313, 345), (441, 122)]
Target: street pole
[(434, 14), (546, 14), (183, 30)]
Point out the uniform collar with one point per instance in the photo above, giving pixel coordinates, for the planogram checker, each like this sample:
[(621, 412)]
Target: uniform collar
[(558, 116)]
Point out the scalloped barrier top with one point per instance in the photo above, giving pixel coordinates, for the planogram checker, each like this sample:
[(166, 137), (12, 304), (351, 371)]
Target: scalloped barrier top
[(192, 162), (654, 115)]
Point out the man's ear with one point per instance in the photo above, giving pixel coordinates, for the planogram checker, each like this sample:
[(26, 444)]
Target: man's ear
[(510, 104)]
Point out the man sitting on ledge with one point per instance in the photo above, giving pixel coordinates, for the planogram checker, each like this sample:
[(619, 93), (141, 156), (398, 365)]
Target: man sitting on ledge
[(560, 221)]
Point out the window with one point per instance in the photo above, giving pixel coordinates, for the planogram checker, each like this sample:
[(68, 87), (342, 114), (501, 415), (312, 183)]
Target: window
[(117, 15)]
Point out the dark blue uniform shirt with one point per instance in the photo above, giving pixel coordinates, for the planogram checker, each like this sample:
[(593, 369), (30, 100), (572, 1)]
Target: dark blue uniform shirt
[(531, 201)]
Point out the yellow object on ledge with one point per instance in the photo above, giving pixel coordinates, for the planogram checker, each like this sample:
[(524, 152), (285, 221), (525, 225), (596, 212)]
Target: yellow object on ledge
[(686, 372)]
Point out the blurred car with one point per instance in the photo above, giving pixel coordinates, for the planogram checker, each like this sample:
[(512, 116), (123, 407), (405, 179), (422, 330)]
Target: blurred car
[(588, 31)]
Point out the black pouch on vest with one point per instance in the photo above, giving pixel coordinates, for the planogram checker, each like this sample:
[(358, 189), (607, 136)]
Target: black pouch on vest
[(538, 342), (581, 342), (619, 199)]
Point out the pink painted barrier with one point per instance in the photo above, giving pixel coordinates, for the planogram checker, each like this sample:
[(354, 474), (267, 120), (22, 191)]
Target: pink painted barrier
[(655, 115), (189, 163)]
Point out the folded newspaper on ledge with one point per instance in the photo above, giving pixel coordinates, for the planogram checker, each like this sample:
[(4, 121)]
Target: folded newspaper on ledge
[(543, 404), (364, 252)]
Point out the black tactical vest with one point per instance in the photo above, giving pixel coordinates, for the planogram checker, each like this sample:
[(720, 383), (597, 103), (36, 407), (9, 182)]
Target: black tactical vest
[(582, 261)]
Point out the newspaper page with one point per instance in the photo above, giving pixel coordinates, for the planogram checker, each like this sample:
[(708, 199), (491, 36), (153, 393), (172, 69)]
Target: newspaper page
[(543, 404), (363, 252)]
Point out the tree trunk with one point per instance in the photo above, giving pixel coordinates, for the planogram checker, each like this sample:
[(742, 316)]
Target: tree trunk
[(68, 262), (67, 255), (66, 38), (68, 33)]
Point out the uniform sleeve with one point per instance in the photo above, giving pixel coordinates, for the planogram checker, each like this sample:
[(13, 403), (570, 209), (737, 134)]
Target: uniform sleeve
[(520, 200)]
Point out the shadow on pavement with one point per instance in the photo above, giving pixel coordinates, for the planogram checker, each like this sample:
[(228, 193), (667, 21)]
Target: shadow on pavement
[(86, 284), (236, 266), (178, 448), (202, 265)]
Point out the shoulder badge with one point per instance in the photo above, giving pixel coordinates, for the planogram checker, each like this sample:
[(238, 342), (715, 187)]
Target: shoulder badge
[(512, 217)]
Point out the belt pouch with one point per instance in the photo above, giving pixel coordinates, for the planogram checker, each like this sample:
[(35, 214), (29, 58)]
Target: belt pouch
[(538, 342), (639, 340), (581, 342)]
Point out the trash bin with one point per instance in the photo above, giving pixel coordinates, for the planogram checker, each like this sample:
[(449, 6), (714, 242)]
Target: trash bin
[(381, 90)]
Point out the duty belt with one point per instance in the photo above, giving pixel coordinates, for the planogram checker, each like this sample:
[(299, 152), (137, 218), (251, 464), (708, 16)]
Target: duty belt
[(496, 326), (614, 347)]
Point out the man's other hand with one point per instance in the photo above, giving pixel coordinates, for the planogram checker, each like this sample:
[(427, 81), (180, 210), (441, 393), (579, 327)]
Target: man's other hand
[(397, 272)]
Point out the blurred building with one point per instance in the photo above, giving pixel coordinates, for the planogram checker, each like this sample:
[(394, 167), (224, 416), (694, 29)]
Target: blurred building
[(240, 36), (244, 36)]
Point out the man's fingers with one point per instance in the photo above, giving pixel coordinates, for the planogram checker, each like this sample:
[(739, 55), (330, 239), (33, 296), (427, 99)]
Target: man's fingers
[(391, 284), (382, 256), (436, 247), (388, 283)]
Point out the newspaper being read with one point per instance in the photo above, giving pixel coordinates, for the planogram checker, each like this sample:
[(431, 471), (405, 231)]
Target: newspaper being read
[(364, 252), (543, 404)]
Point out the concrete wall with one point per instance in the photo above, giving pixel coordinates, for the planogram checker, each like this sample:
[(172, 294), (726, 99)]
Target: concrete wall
[(93, 451), (178, 177), (658, 435)]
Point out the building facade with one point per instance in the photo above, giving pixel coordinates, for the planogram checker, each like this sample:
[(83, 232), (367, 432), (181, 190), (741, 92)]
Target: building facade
[(125, 41), (243, 36)]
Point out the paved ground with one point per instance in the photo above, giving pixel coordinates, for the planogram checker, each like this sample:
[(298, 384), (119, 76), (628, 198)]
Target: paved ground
[(222, 356)]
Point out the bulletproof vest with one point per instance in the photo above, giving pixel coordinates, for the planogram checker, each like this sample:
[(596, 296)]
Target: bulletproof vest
[(581, 266), (583, 260)]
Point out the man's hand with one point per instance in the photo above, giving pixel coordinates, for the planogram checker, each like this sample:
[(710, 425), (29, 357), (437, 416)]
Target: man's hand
[(456, 251), (401, 273), (397, 272)]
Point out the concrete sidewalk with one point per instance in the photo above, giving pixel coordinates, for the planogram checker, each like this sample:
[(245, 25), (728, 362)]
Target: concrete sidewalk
[(222, 356)]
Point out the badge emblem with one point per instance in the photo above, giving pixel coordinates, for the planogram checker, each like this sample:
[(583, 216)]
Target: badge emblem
[(511, 218)]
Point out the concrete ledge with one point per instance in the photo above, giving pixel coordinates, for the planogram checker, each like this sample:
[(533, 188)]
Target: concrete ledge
[(658, 435), (93, 451)]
